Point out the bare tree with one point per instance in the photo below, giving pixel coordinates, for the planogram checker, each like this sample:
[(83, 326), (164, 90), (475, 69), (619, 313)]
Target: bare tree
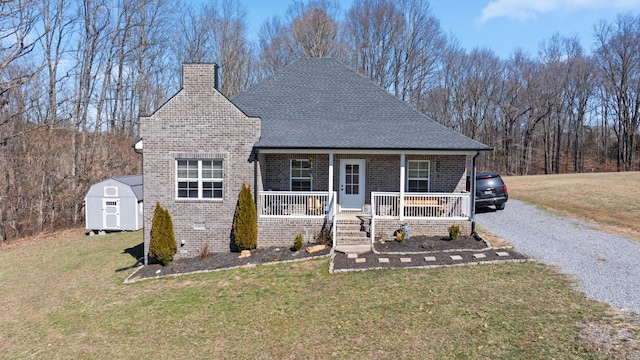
[(18, 38), (57, 26), (193, 40), (314, 29), (311, 30), (232, 50), (273, 48), (618, 58), (571, 72), (218, 33), (399, 45), (373, 29)]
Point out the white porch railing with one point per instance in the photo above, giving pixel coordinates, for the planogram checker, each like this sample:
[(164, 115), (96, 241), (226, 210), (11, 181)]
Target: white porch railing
[(427, 206), (450, 206), (295, 204)]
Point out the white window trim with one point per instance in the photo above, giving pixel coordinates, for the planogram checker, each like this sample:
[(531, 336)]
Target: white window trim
[(428, 179), (291, 177), (200, 180)]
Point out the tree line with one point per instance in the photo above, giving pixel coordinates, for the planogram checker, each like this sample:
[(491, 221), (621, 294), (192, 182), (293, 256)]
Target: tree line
[(76, 75)]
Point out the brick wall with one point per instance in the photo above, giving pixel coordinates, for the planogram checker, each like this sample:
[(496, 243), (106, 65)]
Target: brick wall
[(198, 122), (384, 228), (382, 172), (282, 232), (277, 171)]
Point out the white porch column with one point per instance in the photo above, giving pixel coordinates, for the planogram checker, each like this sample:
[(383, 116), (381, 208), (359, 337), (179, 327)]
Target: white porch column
[(402, 173), (330, 174), (333, 201)]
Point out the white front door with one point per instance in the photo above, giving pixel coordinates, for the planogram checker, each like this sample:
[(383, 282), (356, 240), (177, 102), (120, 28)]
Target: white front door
[(111, 213), (352, 184)]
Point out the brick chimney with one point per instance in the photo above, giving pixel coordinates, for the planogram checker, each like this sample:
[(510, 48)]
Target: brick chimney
[(200, 76)]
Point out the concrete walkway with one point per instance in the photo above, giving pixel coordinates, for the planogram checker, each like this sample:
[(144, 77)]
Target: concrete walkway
[(607, 266)]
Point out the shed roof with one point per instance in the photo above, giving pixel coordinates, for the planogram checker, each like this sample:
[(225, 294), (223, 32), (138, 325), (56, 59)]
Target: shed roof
[(135, 182), (321, 103)]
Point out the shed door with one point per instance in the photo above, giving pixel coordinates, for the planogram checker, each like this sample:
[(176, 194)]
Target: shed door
[(111, 213)]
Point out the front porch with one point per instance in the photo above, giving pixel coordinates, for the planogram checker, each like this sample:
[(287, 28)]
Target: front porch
[(426, 213), (305, 192)]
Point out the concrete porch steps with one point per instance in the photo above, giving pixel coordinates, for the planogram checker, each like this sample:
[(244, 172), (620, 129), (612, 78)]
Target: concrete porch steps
[(351, 234)]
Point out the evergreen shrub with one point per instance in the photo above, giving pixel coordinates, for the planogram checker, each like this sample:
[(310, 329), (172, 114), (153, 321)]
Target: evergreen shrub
[(245, 221), (297, 243), (162, 245), (454, 231)]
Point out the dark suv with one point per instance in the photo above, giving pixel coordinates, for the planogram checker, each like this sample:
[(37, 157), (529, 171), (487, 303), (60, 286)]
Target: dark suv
[(490, 190)]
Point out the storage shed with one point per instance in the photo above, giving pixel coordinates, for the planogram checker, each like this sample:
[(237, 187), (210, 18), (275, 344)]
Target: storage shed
[(115, 204)]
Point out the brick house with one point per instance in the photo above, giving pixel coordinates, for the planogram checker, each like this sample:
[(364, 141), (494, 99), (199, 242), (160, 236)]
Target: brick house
[(320, 145)]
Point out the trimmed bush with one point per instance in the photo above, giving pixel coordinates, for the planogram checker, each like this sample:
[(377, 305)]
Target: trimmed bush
[(245, 221), (454, 231), (162, 245), (204, 252), (297, 243)]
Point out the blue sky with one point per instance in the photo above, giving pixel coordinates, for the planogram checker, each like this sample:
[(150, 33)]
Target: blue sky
[(501, 25)]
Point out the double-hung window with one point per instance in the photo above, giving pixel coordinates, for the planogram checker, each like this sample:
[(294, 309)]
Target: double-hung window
[(301, 175), (200, 179), (418, 176)]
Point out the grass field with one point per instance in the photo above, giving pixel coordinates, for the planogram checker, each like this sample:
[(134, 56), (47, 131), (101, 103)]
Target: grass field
[(62, 298), (609, 199)]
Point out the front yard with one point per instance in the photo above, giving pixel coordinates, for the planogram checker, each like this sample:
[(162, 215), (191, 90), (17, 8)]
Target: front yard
[(63, 298)]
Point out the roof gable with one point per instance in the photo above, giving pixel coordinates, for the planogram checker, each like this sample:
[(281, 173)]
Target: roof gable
[(321, 103)]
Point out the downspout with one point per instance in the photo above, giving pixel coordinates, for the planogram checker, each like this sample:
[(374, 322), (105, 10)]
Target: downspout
[(472, 197)]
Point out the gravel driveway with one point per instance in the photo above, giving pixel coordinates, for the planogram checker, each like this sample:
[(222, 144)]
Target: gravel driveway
[(607, 266)]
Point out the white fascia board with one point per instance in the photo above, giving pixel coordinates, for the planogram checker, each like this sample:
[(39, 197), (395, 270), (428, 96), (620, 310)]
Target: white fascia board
[(367, 151)]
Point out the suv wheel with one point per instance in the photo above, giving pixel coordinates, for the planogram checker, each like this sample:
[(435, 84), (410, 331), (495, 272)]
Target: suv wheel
[(500, 206)]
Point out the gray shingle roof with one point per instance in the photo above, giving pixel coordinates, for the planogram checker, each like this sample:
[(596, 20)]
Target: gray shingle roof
[(321, 103), (135, 182)]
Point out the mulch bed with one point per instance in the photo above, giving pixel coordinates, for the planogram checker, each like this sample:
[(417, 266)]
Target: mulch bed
[(218, 261), (410, 253), (423, 243)]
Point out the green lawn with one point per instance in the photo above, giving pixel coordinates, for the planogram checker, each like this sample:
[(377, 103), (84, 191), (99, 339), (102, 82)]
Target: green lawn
[(63, 299)]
